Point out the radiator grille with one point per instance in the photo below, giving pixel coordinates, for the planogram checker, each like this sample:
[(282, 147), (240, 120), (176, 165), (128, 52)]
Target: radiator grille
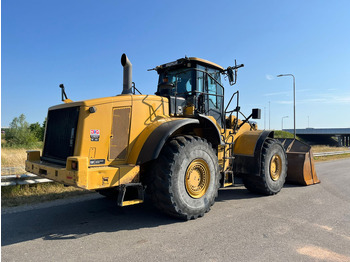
[(60, 134)]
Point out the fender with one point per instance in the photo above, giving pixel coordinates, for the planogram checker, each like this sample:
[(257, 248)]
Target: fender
[(247, 152), (215, 135), (156, 140)]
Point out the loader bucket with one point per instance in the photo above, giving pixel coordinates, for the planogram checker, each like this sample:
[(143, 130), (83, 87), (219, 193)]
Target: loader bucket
[(301, 168)]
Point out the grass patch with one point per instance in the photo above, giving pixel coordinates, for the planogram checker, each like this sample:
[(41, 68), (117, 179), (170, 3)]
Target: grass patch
[(320, 149), (34, 145), (29, 194), (13, 157), (329, 158), (283, 134)]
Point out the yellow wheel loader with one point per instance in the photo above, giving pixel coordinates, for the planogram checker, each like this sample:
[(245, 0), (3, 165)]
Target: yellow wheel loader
[(180, 145)]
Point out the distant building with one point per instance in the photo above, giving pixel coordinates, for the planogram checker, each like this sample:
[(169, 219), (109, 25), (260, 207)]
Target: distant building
[(324, 136)]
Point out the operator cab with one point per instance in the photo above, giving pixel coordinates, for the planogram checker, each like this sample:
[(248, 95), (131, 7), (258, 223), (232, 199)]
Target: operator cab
[(193, 82)]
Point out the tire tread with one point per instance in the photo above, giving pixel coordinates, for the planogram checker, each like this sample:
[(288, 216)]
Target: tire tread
[(258, 184), (159, 185)]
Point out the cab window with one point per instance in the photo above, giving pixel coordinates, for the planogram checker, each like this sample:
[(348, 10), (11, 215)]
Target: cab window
[(184, 82), (179, 80)]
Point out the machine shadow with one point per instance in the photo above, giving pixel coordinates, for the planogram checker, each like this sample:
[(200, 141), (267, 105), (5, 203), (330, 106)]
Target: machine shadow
[(77, 220), (81, 219), (235, 193)]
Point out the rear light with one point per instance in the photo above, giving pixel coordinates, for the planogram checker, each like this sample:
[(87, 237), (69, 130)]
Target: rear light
[(74, 165)]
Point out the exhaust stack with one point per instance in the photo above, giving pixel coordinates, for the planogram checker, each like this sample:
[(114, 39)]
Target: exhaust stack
[(127, 75)]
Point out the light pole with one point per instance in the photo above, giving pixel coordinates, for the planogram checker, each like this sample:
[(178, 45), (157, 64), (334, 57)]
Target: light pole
[(282, 121), (269, 117), (264, 117), (293, 98)]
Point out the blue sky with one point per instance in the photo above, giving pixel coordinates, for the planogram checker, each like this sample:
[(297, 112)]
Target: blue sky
[(79, 43)]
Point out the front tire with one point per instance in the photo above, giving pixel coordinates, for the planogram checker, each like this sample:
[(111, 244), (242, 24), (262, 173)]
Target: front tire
[(273, 170), (185, 178)]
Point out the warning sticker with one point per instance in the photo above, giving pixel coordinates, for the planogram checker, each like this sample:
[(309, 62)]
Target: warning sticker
[(95, 134)]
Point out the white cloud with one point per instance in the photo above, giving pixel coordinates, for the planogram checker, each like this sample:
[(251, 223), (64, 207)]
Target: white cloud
[(309, 96), (303, 90), (288, 93), (335, 99), (269, 77), (345, 99), (313, 100), (277, 93), (284, 102)]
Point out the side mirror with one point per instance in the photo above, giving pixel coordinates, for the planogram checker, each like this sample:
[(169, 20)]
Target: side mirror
[(230, 75), (256, 113)]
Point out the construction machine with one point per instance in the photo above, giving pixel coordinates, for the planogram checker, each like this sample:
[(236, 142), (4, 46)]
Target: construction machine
[(179, 146)]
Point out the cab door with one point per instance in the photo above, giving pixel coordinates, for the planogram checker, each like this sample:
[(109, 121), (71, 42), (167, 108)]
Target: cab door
[(214, 95)]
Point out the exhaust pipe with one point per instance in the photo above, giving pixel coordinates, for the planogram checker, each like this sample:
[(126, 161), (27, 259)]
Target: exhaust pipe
[(127, 75)]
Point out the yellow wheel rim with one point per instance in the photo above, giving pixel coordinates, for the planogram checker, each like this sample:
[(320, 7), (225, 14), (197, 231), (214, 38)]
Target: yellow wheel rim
[(197, 178), (275, 167)]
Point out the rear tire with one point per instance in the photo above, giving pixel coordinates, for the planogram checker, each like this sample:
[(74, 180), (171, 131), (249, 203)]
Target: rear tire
[(273, 170), (184, 180)]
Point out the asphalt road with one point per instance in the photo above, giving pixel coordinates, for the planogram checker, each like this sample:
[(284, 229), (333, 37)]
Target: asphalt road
[(298, 224)]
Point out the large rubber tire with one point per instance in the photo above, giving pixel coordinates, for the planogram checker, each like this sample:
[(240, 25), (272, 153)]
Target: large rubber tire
[(273, 170), (182, 158)]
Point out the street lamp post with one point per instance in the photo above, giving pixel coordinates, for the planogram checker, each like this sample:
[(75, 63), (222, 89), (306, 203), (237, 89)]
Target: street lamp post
[(269, 117), (282, 121), (293, 97), (264, 117)]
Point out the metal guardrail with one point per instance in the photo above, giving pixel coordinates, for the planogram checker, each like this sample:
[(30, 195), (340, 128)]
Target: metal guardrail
[(25, 179), (13, 170)]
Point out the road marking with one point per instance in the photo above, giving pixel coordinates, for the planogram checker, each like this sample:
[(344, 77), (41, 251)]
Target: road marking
[(322, 254)]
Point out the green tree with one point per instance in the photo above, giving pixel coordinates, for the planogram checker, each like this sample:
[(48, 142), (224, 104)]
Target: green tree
[(43, 128), (37, 130), (19, 133)]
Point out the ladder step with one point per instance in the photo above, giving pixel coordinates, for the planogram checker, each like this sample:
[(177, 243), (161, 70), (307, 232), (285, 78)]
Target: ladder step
[(135, 196), (131, 202), (227, 178)]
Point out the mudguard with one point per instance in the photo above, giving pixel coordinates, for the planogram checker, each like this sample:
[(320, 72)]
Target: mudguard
[(156, 140), (213, 134), (247, 152)]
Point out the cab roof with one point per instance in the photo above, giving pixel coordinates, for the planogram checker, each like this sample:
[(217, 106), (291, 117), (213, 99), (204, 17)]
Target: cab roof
[(184, 61)]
